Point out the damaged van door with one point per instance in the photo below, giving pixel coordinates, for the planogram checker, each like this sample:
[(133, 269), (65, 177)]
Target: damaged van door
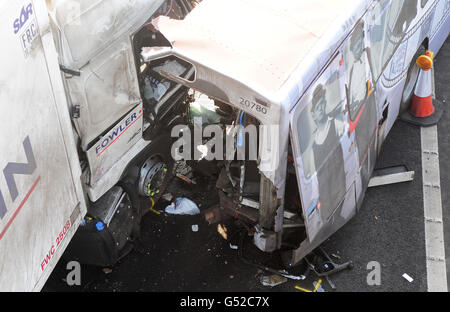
[(323, 154)]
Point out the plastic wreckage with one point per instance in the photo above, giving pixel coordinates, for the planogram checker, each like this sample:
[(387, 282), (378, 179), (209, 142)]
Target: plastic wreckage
[(313, 87)]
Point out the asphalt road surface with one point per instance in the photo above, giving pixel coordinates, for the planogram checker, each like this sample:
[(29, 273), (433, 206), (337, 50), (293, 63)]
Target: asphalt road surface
[(389, 229)]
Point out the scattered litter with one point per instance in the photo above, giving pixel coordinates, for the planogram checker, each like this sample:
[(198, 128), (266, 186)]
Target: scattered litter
[(183, 206), (107, 270), (155, 211), (167, 197), (289, 215), (231, 276), (222, 231), (318, 286), (336, 256), (195, 228), (303, 289), (213, 215), (273, 280), (233, 247), (183, 168), (185, 179), (408, 278)]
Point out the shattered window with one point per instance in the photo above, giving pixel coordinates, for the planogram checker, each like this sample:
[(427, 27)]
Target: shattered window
[(321, 124)]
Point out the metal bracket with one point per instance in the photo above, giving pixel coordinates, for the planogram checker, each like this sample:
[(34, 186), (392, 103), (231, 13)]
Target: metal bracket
[(327, 267), (69, 71)]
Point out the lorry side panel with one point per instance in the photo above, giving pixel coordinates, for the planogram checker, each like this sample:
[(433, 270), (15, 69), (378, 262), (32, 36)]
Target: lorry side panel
[(41, 201)]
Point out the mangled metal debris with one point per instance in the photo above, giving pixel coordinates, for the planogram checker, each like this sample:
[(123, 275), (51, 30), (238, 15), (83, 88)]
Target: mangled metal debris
[(272, 280)]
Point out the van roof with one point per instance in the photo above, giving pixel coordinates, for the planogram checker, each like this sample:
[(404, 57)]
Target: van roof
[(257, 42)]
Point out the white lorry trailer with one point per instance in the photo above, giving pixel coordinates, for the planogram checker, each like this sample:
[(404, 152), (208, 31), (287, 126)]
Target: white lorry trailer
[(71, 105)]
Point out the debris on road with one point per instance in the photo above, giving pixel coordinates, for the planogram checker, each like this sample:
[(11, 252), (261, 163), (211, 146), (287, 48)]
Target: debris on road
[(234, 247), (302, 289), (184, 172), (185, 179), (195, 228), (318, 286), (167, 197), (272, 280), (408, 278), (183, 206), (213, 215), (222, 231), (336, 256), (107, 270), (155, 211)]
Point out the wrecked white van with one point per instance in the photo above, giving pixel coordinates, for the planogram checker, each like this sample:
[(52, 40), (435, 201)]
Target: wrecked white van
[(329, 77)]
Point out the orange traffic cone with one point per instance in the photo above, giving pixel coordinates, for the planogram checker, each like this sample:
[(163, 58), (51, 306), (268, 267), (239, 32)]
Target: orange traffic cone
[(422, 112)]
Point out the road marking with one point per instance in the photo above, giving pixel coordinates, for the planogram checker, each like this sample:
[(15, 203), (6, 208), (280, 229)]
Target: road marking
[(432, 202)]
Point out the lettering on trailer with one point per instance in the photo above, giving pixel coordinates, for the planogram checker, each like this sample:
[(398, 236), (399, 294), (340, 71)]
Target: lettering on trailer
[(25, 14), (116, 133), (59, 239), (12, 169), (25, 25)]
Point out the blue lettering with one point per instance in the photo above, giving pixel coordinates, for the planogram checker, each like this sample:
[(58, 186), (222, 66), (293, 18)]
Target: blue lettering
[(116, 132), (23, 18), (16, 26), (13, 169), (3, 209), (33, 31)]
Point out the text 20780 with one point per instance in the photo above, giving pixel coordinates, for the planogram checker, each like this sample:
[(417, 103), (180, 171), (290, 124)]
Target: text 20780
[(253, 106)]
